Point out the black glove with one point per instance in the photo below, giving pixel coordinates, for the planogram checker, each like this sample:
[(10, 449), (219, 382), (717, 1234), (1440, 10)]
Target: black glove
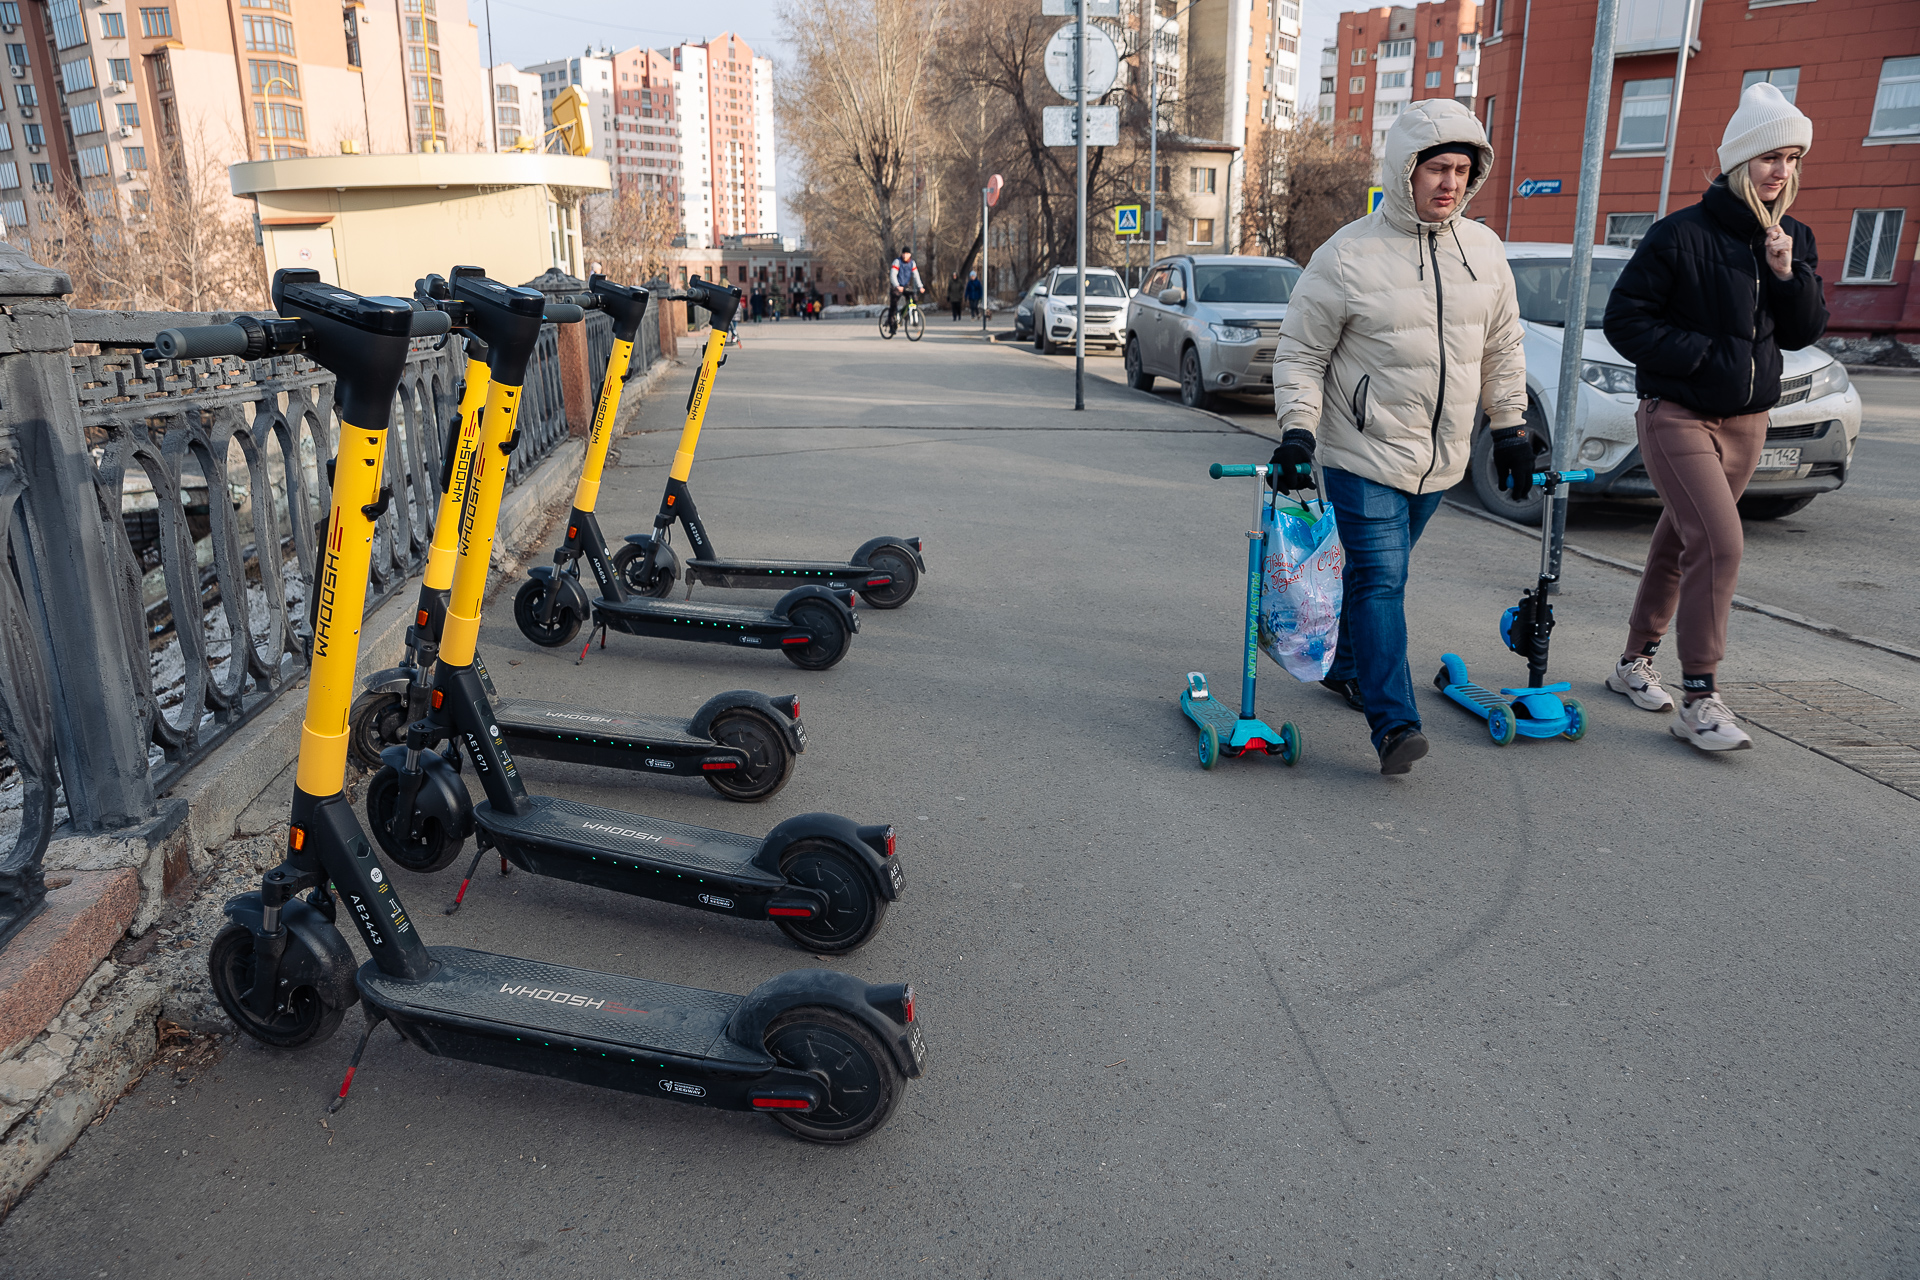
[(1514, 455), (1291, 467)]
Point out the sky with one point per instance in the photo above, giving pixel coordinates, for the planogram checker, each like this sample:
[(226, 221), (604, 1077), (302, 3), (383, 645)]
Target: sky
[(529, 31)]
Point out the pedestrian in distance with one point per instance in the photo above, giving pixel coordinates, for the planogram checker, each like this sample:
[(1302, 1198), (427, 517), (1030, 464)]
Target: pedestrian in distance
[(974, 294), (1404, 325), (1703, 309), (956, 295)]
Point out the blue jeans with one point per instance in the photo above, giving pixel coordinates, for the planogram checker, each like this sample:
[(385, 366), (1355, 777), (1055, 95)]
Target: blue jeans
[(1378, 527)]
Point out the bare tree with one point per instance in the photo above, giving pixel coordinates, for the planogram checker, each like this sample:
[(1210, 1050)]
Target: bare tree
[(629, 234), (1301, 186)]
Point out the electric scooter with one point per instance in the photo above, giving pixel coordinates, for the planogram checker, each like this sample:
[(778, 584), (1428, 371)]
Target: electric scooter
[(823, 880), (825, 1054), (1221, 731), (812, 624), (886, 570), (1538, 710), (742, 742)]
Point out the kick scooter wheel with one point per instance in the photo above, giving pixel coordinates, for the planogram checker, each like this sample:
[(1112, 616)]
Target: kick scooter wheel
[(1209, 746), (1576, 720), (1290, 745), (1502, 725)]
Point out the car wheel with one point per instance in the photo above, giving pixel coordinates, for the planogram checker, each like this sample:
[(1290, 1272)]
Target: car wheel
[(1486, 486), (1137, 376), (1193, 381)]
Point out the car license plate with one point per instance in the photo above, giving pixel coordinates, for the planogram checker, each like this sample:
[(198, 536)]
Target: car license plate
[(1779, 459)]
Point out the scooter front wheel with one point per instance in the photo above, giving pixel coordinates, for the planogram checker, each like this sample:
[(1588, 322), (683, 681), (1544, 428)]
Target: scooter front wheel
[(1209, 746), (563, 626), (630, 562), (432, 849), (1290, 745), (377, 721), (1502, 725), (1576, 719), (861, 1080), (830, 641), (855, 909), (769, 758), (302, 1016)]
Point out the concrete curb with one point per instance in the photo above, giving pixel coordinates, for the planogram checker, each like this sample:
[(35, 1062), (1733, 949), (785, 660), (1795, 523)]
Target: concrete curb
[(1739, 602)]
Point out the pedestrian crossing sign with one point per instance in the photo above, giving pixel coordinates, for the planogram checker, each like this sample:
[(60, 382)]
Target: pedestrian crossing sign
[(1126, 220), (1374, 196)]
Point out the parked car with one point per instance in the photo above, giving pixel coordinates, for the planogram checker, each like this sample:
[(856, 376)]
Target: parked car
[(1057, 300), (1023, 313), (1810, 437), (1211, 321)]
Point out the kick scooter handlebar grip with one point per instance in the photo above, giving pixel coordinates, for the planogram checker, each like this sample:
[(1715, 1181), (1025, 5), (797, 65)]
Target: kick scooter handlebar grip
[(1562, 477), (564, 313), (720, 299), (429, 324), (1221, 470), (205, 340)]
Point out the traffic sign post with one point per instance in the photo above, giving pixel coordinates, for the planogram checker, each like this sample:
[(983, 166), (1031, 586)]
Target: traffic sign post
[(989, 196)]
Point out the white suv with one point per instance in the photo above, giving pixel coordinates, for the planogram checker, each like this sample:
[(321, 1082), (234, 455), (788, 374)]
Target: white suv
[(1057, 301)]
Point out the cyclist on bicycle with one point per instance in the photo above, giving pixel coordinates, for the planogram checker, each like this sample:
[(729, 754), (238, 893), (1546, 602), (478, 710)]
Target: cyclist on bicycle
[(902, 276)]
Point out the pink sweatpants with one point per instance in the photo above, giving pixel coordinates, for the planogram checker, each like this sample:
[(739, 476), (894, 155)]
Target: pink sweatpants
[(1700, 466)]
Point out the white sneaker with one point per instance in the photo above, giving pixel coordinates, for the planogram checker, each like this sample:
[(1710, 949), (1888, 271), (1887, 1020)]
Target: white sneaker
[(1708, 725), (1640, 682)]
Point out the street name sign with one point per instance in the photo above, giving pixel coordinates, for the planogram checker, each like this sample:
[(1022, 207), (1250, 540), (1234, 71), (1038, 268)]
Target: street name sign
[(1103, 62), (1539, 187), (1103, 126)]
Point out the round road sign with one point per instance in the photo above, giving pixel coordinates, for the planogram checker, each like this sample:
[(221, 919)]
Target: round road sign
[(1103, 62)]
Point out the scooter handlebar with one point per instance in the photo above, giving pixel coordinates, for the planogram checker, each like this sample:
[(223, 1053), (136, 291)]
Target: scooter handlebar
[(202, 341), (1221, 470), (564, 313), (1563, 477), (428, 324)]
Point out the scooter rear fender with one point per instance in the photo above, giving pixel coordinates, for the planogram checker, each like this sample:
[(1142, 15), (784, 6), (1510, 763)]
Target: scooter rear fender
[(870, 1005), (442, 795), (813, 591), (776, 709), (909, 545), (316, 956), (843, 831), (568, 594), (392, 680)]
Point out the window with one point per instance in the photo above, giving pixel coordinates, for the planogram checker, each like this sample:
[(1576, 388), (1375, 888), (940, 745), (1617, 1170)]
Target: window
[(268, 35), (136, 157), (1436, 48), (1356, 113), (1873, 245), (36, 136), (1625, 229), (1396, 48), (120, 69), (26, 95), (156, 23), (1325, 115), (279, 120), (112, 27), (1388, 110), (1200, 181), (1499, 17), (1433, 79), (1463, 75), (1393, 80), (1359, 57), (9, 176), (1199, 230), (42, 175), (129, 114), (6, 136), (69, 29), (1468, 40), (141, 201), (1643, 115), (17, 55), (14, 212), (10, 12), (1785, 79), (1489, 122), (1326, 84), (1356, 84), (76, 75), (163, 72), (275, 79), (1289, 11), (284, 6), (86, 118), (1896, 108), (93, 162)]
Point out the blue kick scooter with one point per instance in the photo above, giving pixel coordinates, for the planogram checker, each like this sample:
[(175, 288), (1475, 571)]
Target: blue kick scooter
[(1222, 732), (1539, 710)]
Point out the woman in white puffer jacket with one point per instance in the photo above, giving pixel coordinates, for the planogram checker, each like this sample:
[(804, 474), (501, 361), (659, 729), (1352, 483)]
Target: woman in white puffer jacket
[(1402, 327)]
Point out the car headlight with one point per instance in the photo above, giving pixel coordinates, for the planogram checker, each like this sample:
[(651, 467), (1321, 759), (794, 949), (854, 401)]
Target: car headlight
[(1831, 380), (1234, 333), (1614, 379)]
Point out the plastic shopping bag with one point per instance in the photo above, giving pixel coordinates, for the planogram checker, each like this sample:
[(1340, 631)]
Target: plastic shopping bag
[(1300, 589)]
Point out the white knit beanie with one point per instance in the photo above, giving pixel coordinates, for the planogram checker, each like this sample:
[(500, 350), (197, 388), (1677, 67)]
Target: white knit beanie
[(1764, 122)]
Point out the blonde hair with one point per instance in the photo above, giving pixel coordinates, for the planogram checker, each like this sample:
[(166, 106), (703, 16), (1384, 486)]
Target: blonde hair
[(1741, 184)]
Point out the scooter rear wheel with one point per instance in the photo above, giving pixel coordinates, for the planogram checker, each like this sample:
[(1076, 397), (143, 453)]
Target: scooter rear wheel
[(630, 562), (861, 1079), (769, 758), (1209, 746), (564, 625), (831, 638), (1290, 747), (1502, 725), (906, 578), (302, 1018), (434, 849), (1576, 719), (855, 909), (377, 721)]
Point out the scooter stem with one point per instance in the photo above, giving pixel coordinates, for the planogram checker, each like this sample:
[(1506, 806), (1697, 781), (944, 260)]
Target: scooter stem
[(1256, 545)]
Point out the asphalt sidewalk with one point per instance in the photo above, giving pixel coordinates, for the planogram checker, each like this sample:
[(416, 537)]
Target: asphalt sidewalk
[(1607, 1007)]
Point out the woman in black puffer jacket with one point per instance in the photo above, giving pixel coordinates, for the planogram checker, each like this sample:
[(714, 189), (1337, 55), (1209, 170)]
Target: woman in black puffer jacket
[(1711, 296)]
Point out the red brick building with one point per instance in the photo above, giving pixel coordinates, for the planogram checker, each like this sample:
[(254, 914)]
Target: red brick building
[(1388, 58), (645, 147), (1852, 65)]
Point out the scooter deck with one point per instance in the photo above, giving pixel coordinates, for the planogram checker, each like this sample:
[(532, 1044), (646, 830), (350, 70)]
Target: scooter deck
[(1204, 711), (777, 573), (630, 853), (556, 731), (689, 620)]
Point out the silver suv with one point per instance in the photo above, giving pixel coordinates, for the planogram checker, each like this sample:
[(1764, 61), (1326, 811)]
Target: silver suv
[(1210, 321)]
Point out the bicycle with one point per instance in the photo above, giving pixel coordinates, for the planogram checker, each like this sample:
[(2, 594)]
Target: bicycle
[(908, 317)]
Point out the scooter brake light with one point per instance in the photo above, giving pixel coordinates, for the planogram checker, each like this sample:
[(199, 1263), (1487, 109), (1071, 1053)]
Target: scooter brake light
[(779, 1102), (798, 913), (712, 765), (797, 640), (907, 1004)]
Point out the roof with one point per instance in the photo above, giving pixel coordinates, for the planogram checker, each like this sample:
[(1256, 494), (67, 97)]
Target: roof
[(1541, 249), (420, 169)]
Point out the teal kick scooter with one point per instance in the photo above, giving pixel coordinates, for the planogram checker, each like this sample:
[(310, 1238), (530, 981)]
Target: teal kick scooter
[(1539, 710), (1221, 731)]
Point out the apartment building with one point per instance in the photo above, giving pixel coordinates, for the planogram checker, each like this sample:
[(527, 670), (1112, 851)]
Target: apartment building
[(1852, 65), (725, 98), (1241, 72), (517, 110), (1386, 59), (645, 149)]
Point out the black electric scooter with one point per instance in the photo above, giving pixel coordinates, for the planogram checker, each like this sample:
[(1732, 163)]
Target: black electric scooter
[(823, 880), (886, 571), (825, 1054), (742, 742), (812, 624)]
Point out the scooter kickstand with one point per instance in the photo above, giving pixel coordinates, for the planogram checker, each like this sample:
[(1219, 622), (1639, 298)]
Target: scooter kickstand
[(466, 880), (602, 629), (354, 1064)]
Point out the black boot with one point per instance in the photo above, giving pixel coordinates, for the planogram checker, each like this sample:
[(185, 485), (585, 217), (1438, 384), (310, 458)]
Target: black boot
[(1348, 689), (1400, 749)]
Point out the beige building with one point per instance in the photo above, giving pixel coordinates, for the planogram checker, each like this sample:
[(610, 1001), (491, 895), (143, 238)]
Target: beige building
[(517, 112), (375, 224)]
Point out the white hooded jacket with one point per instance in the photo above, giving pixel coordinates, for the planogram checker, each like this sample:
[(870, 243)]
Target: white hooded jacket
[(1400, 330)]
